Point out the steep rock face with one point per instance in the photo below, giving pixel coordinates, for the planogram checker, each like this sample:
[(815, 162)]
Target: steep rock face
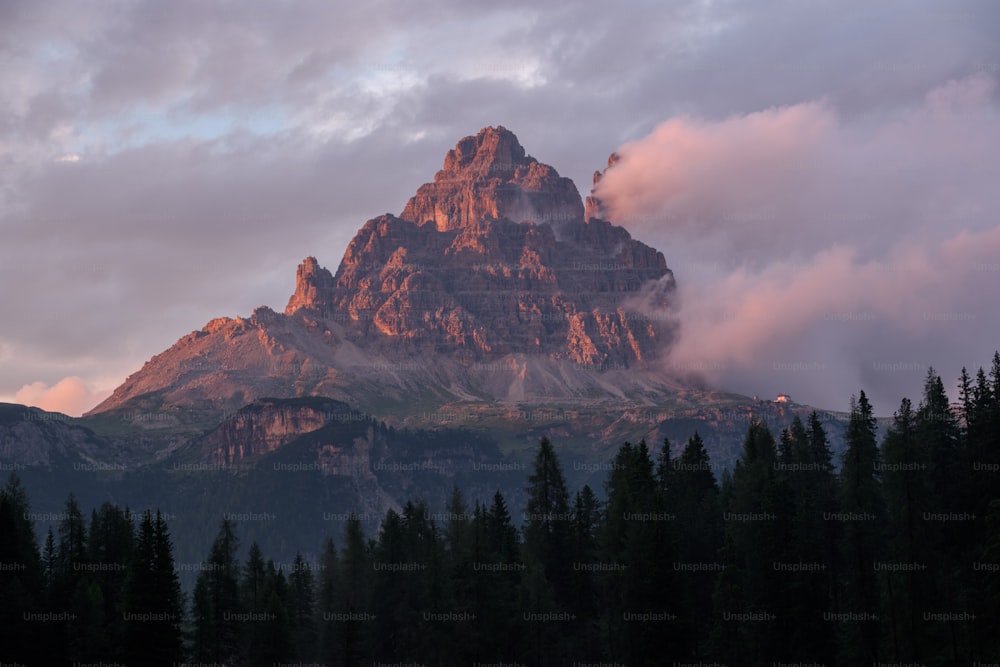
[(495, 257), (311, 282), (267, 424), (490, 176), (332, 438)]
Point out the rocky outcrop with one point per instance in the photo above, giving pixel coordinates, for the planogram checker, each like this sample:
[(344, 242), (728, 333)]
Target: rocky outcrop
[(311, 282), (490, 176), (593, 206), (267, 424)]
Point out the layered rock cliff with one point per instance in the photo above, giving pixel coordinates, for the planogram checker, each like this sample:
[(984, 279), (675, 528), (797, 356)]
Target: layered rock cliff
[(265, 425), (489, 176)]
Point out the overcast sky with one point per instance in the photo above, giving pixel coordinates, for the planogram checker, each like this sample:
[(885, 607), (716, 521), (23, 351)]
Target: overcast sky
[(820, 175)]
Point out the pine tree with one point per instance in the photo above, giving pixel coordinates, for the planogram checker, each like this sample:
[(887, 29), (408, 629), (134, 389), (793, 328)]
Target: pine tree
[(499, 576), (391, 590), (501, 535), (87, 638), (217, 608), (481, 643), (861, 501), (460, 578), (757, 539), (694, 499), (353, 617), (84, 638), (982, 461), (586, 534), (950, 541), (539, 645), (169, 634), (110, 550), (429, 640), (638, 540), (456, 532), (153, 606), (547, 525), (937, 428), (71, 551), (22, 575), (275, 647), (665, 471), (139, 594), (271, 623), (49, 560), (327, 592), (965, 398), (809, 484), (906, 491), (253, 598), (301, 599), (202, 621)]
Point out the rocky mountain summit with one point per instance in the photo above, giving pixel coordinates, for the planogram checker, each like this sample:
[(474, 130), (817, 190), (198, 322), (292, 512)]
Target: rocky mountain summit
[(494, 257), (493, 283), (489, 176)]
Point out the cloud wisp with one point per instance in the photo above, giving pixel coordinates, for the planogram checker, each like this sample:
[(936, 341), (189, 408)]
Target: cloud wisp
[(823, 254)]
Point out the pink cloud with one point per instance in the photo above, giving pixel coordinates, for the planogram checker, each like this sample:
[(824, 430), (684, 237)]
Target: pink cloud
[(70, 396), (807, 242)]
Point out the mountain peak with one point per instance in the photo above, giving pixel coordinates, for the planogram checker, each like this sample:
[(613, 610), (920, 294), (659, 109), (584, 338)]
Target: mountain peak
[(312, 284), (470, 267), (494, 152), (491, 285), (489, 176)]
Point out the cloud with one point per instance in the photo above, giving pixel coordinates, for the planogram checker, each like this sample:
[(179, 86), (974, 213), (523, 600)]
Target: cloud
[(70, 396), (817, 255)]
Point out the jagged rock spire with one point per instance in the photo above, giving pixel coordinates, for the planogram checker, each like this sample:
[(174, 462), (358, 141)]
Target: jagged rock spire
[(489, 175), (313, 284)]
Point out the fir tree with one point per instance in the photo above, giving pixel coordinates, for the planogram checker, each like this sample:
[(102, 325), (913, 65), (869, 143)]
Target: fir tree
[(353, 617), (757, 540), (861, 501), (694, 499), (301, 605), (585, 555), (153, 607), (328, 590), (110, 550), (217, 601), (547, 525), (253, 598), (271, 623), (637, 541), (22, 575)]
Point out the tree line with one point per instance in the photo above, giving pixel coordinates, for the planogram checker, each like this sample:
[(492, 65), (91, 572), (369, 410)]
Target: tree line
[(891, 556)]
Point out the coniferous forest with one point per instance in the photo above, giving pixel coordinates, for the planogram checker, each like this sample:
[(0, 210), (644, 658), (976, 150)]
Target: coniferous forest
[(889, 553)]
